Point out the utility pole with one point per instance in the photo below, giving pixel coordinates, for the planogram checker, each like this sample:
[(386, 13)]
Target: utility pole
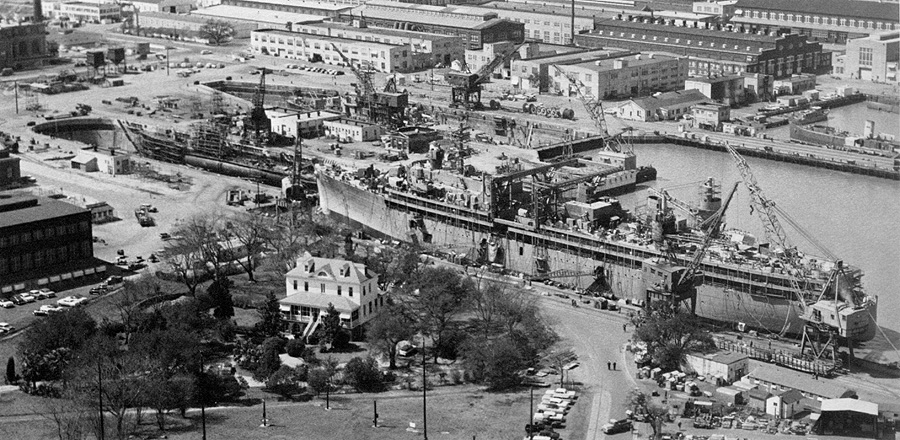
[(530, 414), (424, 389), (167, 74), (375, 413), (202, 392), (100, 395), (573, 23), (16, 87)]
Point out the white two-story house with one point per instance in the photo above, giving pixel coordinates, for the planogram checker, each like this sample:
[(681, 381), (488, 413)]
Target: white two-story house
[(317, 282)]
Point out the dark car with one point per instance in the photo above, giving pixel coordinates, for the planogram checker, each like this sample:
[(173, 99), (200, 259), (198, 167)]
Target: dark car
[(617, 426), (18, 300)]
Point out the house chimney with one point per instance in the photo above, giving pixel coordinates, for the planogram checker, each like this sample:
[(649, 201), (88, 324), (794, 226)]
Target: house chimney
[(38, 15)]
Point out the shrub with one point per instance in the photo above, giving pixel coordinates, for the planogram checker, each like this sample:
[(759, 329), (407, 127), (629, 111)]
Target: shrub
[(295, 348), (341, 340), (364, 374), (242, 300), (456, 376), (318, 380)]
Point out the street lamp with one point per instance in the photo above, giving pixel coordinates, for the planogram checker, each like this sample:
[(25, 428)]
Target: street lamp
[(424, 389), (167, 74)]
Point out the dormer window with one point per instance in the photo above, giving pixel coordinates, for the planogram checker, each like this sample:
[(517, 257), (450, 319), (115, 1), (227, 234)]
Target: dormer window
[(309, 267)]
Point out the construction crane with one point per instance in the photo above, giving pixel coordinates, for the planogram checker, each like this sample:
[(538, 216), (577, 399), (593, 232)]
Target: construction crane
[(830, 316), (594, 108), (257, 121), (466, 86), (365, 91)]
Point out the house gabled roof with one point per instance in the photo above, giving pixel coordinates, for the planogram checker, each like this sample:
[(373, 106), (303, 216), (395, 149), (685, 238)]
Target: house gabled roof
[(791, 396), (332, 269), (320, 301)]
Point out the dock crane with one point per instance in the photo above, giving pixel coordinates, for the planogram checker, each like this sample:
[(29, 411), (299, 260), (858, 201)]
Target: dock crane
[(381, 107), (257, 121), (667, 279), (466, 86), (594, 108), (830, 316), (365, 91)]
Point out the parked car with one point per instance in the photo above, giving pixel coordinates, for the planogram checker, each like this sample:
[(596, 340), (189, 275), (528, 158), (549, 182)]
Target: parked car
[(29, 298), (616, 426), (99, 290), (46, 293), (206, 52), (6, 328), (46, 310), (71, 301), (7, 304), (115, 279)]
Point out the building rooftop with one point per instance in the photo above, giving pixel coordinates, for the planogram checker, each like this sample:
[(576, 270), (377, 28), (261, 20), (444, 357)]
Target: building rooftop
[(854, 405), (716, 80), (530, 9), (724, 357), (843, 8), (681, 31), (332, 269), (448, 16), (320, 301), (884, 37), (256, 15), (791, 396), (375, 30), (679, 15), (794, 379), (573, 55), (609, 63), (670, 98), (325, 6), (17, 210), (323, 37)]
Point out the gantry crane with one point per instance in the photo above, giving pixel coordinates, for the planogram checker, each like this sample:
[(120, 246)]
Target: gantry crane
[(831, 315), (466, 86), (383, 107), (257, 122), (594, 108), (365, 91)]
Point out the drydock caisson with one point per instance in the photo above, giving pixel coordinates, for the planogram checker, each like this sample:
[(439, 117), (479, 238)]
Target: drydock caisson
[(556, 221)]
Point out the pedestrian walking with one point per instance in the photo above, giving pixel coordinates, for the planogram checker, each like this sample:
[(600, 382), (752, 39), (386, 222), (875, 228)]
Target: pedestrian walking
[(679, 426), (609, 365), (625, 327), (614, 365)]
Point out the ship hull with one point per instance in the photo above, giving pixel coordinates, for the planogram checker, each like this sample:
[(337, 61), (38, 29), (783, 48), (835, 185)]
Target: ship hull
[(718, 299)]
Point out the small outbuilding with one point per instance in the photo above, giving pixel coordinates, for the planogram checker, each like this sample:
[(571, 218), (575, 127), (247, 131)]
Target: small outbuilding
[(848, 417), (85, 162), (785, 405), (725, 366)]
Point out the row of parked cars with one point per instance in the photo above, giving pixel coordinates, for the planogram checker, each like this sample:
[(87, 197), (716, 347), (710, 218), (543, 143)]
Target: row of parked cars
[(551, 414), (312, 69), (27, 298)]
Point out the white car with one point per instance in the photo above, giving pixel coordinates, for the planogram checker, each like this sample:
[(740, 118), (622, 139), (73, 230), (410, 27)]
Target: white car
[(7, 304), (46, 310), (71, 301), (5, 328), (45, 293), (29, 298)]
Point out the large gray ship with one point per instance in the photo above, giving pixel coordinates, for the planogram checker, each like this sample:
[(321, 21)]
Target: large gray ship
[(560, 221)]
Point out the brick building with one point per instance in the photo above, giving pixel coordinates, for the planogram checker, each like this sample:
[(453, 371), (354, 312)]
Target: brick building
[(23, 46), (43, 241), (832, 21), (10, 171), (712, 50), (474, 27)]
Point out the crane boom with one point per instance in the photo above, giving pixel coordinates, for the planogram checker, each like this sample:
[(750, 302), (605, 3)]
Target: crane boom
[(765, 208), (484, 73), (364, 89), (707, 225), (594, 108)]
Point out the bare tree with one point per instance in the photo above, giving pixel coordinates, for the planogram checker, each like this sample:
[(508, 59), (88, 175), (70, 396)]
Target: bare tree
[(217, 31), (194, 252), (439, 295), (126, 302), (245, 239), (559, 358), (642, 406), (67, 414)]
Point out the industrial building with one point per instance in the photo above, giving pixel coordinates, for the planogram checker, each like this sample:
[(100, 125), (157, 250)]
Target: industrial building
[(723, 8), (43, 242), (352, 129), (830, 21), (85, 12), (111, 162), (427, 49), (475, 27), (533, 73), (733, 90), (193, 23), (260, 17), (710, 116), (323, 9), (548, 25), (164, 6), (10, 170), (662, 107), (712, 51), (290, 123), (725, 366), (383, 57), (624, 76), (23, 46), (872, 58)]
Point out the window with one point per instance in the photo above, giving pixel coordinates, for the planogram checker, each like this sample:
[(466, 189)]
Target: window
[(865, 56), (295, 284), (306, 286), (322, 287), (350, 291), (339, 290)]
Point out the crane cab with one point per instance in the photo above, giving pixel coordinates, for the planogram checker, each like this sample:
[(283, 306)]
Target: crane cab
[(846, 321), (663, 280)]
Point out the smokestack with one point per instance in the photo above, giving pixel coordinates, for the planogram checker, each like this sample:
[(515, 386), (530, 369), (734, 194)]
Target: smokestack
[(38, 15)]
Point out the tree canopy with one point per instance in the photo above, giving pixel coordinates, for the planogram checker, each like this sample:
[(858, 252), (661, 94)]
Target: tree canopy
[(671, 332)]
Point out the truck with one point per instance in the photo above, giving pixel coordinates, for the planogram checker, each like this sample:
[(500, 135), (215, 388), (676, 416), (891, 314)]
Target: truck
[(143, 217)]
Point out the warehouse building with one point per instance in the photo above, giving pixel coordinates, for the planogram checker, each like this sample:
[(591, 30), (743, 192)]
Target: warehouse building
[(533, 73), (43, 242), (85, 12), (23, 46), (734, 90), (352, 130), (163, 6), (324, 9), (475, 27), (193, 23), (872, 58), (623, 76), (712, 51), (290, 123), (428, 49), (663, 107), (260, 17), (831, 21), (548, 25), (383, 57)]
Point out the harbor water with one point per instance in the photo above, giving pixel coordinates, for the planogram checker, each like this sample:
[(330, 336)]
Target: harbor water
[(852, 119), (852, 216)]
